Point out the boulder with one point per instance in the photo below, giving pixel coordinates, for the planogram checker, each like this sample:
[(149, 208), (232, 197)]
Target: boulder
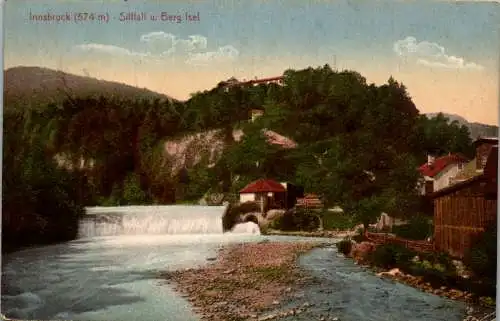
[(360, 251)]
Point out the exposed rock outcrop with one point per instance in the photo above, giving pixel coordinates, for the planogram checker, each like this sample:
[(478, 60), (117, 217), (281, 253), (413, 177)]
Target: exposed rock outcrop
[(190, 150), (187, 151)]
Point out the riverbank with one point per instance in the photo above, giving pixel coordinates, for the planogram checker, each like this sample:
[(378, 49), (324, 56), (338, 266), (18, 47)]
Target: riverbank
[(434, 282), (474, 311), (245, 282)]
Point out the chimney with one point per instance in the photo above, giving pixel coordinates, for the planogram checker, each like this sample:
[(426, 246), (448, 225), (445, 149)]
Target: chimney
[(430, 160)]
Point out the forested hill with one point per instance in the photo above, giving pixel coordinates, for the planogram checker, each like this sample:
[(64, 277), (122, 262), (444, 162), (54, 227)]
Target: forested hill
[(120, 145), (475, 129), (36, 86)]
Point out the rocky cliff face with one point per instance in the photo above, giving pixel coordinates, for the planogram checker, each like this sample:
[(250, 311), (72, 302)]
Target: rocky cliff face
[(187, 151), (190, 150)]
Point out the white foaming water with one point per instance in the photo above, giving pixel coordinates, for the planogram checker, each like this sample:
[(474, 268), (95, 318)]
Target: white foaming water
[(248, 227), (112, 272), (136, 220)]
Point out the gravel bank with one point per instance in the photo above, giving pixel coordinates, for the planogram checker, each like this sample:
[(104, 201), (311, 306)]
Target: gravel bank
[(245, 282)]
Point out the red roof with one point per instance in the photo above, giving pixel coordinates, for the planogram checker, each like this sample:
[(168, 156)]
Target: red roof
[(440, 164), (263, 186)]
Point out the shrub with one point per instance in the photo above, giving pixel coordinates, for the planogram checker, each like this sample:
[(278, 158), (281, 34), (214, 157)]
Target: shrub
[(440, 259), (298, 220), (391, 255), (418, 228), (482, 257), (337, 221), (132, 192), (362, 252), (344, 246)]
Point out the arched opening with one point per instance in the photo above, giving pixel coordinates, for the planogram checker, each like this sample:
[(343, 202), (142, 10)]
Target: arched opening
[(251, 218)]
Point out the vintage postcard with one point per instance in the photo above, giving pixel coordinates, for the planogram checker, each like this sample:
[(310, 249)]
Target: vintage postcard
[(250, 160)]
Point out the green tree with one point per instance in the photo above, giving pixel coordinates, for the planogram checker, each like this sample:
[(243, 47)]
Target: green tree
[(40, 201), (132, 191), (439, 136), (356, 141)]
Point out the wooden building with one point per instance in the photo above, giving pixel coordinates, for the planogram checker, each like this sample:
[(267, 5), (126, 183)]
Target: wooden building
[(464, 209), (310, 201)]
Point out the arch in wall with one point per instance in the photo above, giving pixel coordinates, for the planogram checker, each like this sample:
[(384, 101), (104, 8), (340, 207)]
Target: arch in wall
[(251, 218)]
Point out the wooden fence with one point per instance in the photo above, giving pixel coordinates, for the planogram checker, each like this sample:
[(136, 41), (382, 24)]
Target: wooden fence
[(417, 246), (461, 214)]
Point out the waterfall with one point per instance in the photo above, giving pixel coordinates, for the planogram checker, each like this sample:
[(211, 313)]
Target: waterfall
[(135, 220), (248, 227)]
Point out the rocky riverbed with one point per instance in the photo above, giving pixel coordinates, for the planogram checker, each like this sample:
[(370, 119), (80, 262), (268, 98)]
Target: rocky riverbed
[(474, 312), (245, 282)]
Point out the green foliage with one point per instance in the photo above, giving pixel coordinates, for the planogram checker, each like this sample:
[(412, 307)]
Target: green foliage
[(298, 220), (356, 140), (337, 221), (391, 255), (482, 258), (132, 192), (358, 144), (344, 246), (419, 227), (439, 136), (439, 260), (201, 179), (40, 201)]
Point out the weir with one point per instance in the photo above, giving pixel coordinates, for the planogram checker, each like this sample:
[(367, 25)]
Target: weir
[(167, 219)]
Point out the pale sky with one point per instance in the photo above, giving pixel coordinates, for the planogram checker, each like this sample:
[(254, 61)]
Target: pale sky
[(446, 53)]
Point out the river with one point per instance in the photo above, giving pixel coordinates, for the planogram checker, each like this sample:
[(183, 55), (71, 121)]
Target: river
[(111, 271)]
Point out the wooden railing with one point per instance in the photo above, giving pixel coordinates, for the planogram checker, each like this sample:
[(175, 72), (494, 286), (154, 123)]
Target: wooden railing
[(417, 246)]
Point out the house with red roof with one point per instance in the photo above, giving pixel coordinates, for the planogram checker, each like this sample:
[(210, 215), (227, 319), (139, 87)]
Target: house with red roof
[(271, 194), (439, 172), (468, 207)]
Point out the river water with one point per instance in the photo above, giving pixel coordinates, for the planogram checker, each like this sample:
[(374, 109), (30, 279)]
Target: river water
[(111, 271)]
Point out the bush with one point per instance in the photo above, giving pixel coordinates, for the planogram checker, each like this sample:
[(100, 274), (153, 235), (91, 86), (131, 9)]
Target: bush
[(418, 228), (298, 220), (337, 221), (434, 274), (344, 246), (482, 257), (132, 192), (391, 255), (439, 259)]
